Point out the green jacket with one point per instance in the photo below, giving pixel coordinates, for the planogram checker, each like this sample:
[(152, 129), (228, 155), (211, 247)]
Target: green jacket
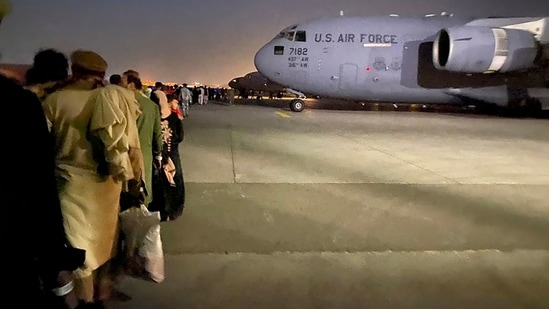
[(150, 138)]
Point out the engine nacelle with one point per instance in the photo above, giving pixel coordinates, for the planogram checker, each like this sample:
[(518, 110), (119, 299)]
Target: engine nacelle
[(471, 49)]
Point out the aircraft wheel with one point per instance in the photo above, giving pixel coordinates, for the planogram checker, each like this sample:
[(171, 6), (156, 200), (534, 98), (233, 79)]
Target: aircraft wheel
[(297, 105), (524, 108)]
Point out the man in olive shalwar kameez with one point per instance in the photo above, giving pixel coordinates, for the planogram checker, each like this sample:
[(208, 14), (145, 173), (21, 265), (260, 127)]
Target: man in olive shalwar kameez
[(150, 131), (95, 136)]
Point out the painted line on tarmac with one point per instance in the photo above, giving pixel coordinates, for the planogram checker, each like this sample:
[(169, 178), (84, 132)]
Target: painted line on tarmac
[(283, 115)]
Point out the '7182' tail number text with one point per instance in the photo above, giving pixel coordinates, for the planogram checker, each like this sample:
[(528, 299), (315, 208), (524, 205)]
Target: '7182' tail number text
[(299, 51)]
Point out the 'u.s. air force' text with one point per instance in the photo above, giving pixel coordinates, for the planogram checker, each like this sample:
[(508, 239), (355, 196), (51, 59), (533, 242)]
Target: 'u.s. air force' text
[(374, 38)]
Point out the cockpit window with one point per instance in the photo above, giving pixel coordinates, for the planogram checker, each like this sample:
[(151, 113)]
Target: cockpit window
[(290, 36), (301, 36)]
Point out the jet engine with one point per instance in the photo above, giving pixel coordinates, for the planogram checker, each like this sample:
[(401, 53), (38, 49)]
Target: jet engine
[(475, 49)]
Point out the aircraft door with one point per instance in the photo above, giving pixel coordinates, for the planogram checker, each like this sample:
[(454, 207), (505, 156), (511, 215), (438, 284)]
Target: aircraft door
[(348, 76)]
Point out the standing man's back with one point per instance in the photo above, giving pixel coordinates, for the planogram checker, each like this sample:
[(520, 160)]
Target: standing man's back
[(148, 125), (91, 126), (186, 98)]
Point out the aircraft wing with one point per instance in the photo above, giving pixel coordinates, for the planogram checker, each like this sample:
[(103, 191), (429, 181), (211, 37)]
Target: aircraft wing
[(537, 26)]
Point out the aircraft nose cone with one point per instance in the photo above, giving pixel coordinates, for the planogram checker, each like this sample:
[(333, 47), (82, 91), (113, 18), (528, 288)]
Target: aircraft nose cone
[(263, 60)]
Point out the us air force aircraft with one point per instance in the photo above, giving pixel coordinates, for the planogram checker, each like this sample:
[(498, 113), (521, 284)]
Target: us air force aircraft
[(440, 59), (255, 81)]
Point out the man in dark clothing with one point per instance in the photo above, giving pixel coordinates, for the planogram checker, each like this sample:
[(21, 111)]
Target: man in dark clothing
[(34, 247), (34, 237), (154, 95)]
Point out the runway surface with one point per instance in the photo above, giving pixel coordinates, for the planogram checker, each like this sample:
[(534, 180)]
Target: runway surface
[(356, 209)]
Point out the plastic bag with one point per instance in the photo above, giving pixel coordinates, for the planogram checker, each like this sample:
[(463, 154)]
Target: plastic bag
[(142, 243), (153, 255), (136, 223)]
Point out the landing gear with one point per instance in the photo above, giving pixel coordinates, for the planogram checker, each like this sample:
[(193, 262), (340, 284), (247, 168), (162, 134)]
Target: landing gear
[(528, 107), (533, 108), (297, 105)]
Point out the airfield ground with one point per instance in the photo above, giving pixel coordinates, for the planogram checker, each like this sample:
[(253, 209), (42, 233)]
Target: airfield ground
[(356, 209)]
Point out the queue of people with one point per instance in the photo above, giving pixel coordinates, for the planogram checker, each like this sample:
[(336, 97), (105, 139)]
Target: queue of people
[(84, 150)]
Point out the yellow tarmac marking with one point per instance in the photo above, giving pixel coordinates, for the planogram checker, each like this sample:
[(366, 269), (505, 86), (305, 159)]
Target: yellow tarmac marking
[(283, 115)]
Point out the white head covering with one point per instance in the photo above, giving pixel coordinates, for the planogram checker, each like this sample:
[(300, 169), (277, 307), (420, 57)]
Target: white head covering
[(165, 108), (148, 92)]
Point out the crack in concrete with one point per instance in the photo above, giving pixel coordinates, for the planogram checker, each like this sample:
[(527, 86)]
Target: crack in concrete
[(400, 159), (383, 252)]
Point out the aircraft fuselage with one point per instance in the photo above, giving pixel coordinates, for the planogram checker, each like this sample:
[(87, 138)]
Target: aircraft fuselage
[(368, 59)]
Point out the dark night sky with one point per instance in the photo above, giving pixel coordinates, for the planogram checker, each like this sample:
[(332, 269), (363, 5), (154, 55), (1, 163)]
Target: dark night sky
[(206, 41)]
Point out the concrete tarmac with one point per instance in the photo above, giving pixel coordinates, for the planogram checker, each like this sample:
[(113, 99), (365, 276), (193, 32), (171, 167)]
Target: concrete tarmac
[(356, 209)]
